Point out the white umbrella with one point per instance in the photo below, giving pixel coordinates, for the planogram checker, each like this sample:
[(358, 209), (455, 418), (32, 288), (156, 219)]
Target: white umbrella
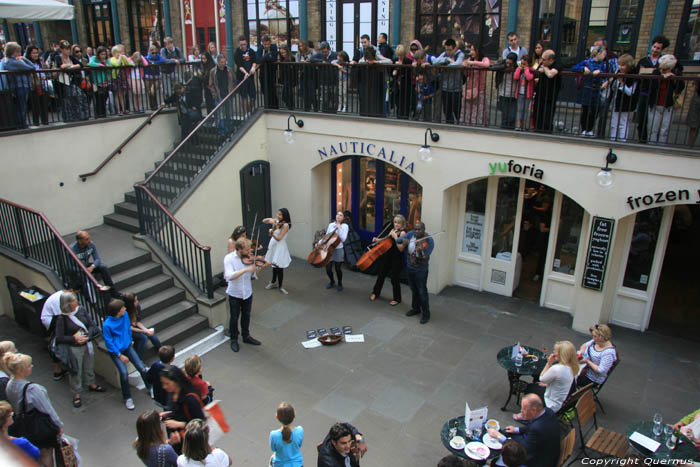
[(35, 10)]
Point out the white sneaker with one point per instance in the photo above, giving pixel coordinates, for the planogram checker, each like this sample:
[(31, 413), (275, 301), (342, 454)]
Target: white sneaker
[(284, 291), (271, 285), (340, 108), (344, 109), (130, 404)]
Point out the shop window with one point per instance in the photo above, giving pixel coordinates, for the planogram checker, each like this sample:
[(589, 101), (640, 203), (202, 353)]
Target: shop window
[(343, 177), (506, 207), (98, 19), (473, 21), (474, 213), (346, 20), (368, 193), (278, 19), (568, 237), (642, 247), (392, 193), (415, 203), (627, 27), (688, 46)]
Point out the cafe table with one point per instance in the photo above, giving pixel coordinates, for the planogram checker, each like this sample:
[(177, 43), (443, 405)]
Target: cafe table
[(532, 366), (684, 448), (445, 437)]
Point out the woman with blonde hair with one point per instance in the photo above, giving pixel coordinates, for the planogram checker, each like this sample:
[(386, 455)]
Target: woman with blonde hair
[(120, 78), (23, 443), (21, 392), (598, 354), (196, 450), (391, 262), (5, 347)]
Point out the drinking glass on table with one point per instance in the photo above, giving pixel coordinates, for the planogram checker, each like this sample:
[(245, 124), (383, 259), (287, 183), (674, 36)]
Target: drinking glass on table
[(668, 431), (658, 429), (477, 433)]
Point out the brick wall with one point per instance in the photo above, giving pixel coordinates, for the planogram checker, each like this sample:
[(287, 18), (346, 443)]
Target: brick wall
[(408, 21), (673, 22), (314, 21)]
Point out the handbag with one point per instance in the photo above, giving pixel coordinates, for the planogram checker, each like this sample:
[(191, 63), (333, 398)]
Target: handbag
[(36, 426), (65, 454)]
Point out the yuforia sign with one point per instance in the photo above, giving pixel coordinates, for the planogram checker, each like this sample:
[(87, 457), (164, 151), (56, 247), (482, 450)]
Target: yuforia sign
[(514, 168)]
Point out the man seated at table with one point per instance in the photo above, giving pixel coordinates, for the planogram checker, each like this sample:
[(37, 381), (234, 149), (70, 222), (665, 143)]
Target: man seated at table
[(687, 420), (456, 461), (336, 449), (540, 437)]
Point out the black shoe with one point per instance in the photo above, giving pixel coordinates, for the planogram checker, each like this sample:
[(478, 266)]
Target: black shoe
[(234, 346), (412, 313), (424, 319), (251, 340), (58, 376)]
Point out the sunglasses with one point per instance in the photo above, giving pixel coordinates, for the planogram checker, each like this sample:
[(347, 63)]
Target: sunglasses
[(593, 328)]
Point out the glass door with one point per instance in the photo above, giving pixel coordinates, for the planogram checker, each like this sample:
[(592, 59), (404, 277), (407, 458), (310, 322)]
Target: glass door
[(98, 20)]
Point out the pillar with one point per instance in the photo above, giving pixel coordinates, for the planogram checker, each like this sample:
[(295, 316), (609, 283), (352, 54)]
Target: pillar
[(657, 27), (166, 19), (512, 16), (395, 23), (73, 27), (37, 32), (229, 33), (303, 20), (115, 22)]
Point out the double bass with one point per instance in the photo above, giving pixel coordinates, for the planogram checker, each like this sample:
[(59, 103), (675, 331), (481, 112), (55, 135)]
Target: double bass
[(321, 254)]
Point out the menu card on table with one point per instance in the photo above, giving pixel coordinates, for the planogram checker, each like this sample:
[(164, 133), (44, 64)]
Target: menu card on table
[(515, 352), (475, 418), (644, 441)]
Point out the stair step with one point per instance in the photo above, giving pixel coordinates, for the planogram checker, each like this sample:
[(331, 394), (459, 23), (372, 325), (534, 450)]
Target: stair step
[(164, 196), (179, 170), (127, 209), (164, 179), (130, 263), (150, 286), (136, 274), (169, 316), (161, 300), (122, 222), (130, 197), (183, 329)]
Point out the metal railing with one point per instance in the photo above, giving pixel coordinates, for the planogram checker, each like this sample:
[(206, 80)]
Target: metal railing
[(175, 174), (629, 108), (50, 96), (29, 233)]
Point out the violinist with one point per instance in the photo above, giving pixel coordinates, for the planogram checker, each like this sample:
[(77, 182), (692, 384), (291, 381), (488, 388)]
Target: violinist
[(239, 266), (277, 250), (420, 247), (338, 254), (238, 232), (391, 262)]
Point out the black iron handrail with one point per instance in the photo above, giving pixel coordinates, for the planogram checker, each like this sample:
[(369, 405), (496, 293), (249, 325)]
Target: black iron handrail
[(29, 233)]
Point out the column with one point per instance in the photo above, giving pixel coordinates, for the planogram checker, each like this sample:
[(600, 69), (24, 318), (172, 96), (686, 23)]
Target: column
[(303, 23), (115, 22), (512, 16), (73, 27), (395, 23), (37, 33), (657, 27), (229, 33), (166, 18)]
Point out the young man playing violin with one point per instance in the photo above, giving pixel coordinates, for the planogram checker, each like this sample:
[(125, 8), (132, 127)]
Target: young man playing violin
[(239, 266), (391, 262), (419, 249)]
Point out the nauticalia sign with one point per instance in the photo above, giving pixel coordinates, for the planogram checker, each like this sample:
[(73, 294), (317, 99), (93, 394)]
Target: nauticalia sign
[(360, 148)]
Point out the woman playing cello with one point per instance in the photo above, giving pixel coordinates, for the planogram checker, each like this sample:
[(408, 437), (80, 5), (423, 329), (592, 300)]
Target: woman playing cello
[(338, 254), (391, 262), (277, 250)]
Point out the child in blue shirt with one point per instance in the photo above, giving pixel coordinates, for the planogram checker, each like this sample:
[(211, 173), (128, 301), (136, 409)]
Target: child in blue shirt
[(425, 91), (117, 334), (286, 442)]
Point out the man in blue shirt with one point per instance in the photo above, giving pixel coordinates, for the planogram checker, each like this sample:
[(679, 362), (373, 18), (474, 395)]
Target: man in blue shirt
[(86, 251), (419, 249)]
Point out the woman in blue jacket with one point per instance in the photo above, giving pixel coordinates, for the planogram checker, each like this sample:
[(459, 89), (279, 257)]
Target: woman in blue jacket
[(19, 84), (589, 94)]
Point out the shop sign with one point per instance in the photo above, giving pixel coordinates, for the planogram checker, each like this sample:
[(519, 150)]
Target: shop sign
[(598, 251), (360, 148), (514, 168), (473, 232), (645, 201)]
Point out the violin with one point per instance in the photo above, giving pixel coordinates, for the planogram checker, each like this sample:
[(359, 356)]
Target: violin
[(259, 260), (376, 249), (321, 254)]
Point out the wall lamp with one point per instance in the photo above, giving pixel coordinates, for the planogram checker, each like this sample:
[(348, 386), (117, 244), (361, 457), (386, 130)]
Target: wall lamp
[(288, 133), (605, 177), (424, 151)]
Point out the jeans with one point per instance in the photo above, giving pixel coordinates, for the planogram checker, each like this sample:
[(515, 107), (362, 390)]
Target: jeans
[(124, 376), (418, 281), (619, 124), (141, 341), (660, 122), (21, 109), (239, 306)]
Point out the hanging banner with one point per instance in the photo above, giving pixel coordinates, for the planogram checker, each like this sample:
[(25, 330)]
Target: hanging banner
[(383, 17), (188, 11), (222, 11)]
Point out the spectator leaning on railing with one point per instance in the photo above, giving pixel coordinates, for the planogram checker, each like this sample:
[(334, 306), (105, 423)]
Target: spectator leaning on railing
[(18, 84), (175, 55)]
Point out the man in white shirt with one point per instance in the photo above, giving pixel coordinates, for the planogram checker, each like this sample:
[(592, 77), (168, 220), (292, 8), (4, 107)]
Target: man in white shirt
[(513, 47), (51, 309), (240, 291)]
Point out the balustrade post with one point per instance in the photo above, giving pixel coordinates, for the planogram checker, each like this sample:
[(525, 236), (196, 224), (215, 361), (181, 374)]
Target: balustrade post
[(207, 273), (140, 210), (21, 232)]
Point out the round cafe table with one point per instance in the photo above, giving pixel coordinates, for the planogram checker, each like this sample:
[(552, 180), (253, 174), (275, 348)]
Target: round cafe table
[(530, 367), (445, 437), (684, 448)]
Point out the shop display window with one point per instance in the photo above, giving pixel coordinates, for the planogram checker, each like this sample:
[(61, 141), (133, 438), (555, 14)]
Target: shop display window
[(474, 214), (415, 203), (343, 177), (568, 237), (642, 247), (688, 47), (278, 19), (392, 193), (506, 209), (368, 193)]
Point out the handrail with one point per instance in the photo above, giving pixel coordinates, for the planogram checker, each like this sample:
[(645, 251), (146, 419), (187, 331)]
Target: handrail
[(117, 151), (210, 115)]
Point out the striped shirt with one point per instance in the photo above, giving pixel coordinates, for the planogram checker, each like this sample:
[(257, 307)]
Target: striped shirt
[(603, 358)]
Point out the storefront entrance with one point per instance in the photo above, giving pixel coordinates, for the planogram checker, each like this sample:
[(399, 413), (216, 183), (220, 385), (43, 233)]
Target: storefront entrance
[(520, 238), (374, 192), (98, 21)]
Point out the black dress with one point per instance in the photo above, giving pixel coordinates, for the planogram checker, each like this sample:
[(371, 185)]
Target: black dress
[(371, 83)]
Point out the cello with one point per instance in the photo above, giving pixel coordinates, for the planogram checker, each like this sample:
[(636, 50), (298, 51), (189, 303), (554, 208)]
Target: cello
[(321, 254), (375, 250)]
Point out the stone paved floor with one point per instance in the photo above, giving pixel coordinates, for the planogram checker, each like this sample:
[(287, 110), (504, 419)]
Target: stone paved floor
[(398, 387)]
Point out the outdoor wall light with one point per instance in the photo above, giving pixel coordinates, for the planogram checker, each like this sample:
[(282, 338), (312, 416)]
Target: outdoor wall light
[(605, 177), (424, 151), (288, 133)]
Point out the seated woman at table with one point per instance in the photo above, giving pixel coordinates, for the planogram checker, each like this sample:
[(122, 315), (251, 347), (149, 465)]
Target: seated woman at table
[(556, 380), (598, 356), (682, 425)]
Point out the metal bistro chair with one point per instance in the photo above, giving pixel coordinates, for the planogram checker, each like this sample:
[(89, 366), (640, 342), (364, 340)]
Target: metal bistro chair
[(607, 442), (597, 388), (567, 447)]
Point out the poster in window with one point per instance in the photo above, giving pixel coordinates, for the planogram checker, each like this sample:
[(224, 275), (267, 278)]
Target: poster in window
[(473, 232)]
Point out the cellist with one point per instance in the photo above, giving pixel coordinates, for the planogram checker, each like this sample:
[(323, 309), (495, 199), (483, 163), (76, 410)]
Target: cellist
[(391, 262), (338, 254)]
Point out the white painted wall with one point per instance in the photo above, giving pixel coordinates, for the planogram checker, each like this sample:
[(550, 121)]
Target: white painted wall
[(35, 164)]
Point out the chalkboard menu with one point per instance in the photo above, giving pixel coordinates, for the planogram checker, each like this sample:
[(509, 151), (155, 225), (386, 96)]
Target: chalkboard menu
[(598, 250)]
